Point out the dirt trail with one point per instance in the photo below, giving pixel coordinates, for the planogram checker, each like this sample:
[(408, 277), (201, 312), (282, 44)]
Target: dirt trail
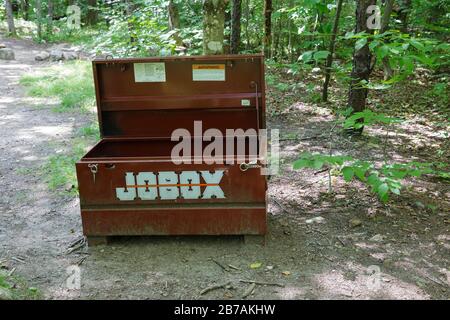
[(312, 261)]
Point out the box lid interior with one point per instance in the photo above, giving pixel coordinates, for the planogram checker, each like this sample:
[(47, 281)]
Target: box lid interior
[(152, 97)]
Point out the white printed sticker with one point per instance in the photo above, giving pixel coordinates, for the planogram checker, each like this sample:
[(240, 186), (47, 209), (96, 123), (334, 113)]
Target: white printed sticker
[(150, 72), (208, 72)]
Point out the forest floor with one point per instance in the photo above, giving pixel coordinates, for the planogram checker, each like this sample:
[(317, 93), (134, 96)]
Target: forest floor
[(357, 249)]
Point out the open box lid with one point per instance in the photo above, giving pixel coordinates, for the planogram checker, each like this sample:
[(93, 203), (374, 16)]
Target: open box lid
[(151, 97)]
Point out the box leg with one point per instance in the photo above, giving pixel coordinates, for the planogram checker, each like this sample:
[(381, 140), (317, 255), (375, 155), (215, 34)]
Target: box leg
[(255, 239), (97, 241)]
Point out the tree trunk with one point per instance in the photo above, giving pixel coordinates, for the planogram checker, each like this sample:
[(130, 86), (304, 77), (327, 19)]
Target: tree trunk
[(39, 18), (10, 18), (129, 11), (361, 61), (92, 13), (24, 6), (236, 27), (405, 7), (213, 25), (331, 49), (267, 26), (49, 17), (247, 19), (174, 22), (387, 70)]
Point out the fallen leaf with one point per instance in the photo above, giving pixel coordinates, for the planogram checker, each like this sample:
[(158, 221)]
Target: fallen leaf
[(286, 273), (256, 265)]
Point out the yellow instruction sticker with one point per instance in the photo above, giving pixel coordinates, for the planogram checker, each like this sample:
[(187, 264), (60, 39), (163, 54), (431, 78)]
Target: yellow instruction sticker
[(208, 72)]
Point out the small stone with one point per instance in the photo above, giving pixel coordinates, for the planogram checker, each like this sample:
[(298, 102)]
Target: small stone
[(2, 45), (56, 55), (377, 238), (318, 219), (269, 267), (6, 54), (353, 223), (387, 262), (42, 56), (69, 55)]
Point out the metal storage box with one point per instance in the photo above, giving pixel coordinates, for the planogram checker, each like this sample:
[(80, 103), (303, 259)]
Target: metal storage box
[(128, 183)]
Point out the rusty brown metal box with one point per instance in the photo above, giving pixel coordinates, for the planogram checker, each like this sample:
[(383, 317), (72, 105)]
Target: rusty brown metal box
[(128, 183)]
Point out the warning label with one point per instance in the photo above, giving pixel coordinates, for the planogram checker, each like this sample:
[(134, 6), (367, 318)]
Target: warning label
[(208, 72), (150, 72)]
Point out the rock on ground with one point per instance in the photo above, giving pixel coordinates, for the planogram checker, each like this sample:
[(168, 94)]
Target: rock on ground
[(56, 55), (6, 54), (42, 56), (69, 55)]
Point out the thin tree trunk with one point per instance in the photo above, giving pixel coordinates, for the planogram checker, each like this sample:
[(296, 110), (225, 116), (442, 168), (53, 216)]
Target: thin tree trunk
[(39, 18), (174, 21), (331, 49), (49, 17), (10, 18), (130, 10), (387, 70), (24, 6), (267, 26), (213, 25), (227, 35), (276, 52), (92, 14), (247, 19), (405, 7), (361, 61), (236, 27)]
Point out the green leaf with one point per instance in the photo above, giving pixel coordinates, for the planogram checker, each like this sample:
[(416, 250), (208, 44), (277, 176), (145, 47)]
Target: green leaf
[(301, 163), (256, 265), (320, 55), (318, 163), (382, 52), (382, 189), (348, 173), (306, 56), (418, 45), (373, 180), (360, 43), (360, 173)]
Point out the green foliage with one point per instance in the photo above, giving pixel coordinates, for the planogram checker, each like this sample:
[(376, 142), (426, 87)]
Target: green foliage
[(382, 181), (17, 288), (71, 83), (366, 118), (59, 170), (403, 52), (317, 161), (90, 131)]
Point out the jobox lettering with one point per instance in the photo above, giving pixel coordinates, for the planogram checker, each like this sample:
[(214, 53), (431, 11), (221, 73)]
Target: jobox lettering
[(170, 185)]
